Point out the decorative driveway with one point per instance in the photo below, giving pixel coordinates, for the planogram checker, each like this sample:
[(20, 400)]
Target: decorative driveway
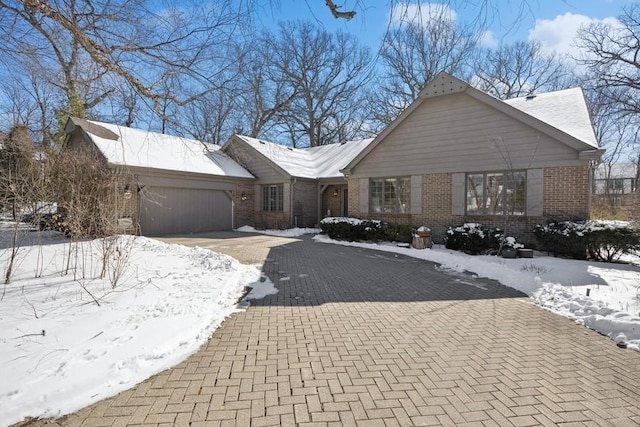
[(359, 337)]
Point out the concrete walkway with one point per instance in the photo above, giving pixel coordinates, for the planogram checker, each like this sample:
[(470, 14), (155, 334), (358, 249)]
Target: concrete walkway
[(358, 337)]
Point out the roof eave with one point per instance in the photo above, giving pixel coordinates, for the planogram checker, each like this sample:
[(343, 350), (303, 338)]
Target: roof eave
[(591, 154)]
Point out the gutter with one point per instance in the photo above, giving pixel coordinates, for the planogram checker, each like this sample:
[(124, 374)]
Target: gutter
[(292, 221)]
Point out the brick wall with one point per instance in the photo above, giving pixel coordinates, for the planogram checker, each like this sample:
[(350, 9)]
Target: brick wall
[(331, 202), (566, 192), (566, 195), (127, 206), (244, 209), (272, 220)]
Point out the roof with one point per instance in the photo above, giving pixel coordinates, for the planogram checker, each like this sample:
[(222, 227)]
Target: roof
[(324, 161), (565, 110), (562, 115), (124, 146)]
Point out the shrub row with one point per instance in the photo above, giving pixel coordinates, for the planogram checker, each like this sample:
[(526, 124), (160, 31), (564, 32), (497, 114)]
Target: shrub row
[(602, 241), (354, 229), (473, 238)]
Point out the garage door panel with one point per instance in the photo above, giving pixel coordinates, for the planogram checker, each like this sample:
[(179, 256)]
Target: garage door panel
[(166, 210)]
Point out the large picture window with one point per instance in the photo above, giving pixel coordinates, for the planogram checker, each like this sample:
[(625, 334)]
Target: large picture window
[(496, 193), (272, 198), (390, 195)]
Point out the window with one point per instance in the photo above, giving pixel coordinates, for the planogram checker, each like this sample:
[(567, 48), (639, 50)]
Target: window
[(616, 185), (390, 195), (496, 193), (272, 198)]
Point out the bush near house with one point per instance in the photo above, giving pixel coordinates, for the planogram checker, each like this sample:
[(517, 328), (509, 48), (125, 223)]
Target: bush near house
[(355, 229), (473, 238), (597, 240)]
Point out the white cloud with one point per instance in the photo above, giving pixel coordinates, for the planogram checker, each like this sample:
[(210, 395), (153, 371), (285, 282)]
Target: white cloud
[(488, 39), (421, 13), (558, 34)]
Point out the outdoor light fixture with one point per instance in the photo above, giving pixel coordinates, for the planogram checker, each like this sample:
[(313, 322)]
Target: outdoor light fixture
[(243, 197), (127, 192), (335, 193)]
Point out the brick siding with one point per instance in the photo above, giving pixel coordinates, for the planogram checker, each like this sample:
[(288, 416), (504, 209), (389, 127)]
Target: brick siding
[(243, 210), (566, 196)]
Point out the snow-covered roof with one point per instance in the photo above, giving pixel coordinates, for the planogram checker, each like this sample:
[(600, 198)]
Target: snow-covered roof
[(618, 170), (324, 161), (566, 110), (145, 149)]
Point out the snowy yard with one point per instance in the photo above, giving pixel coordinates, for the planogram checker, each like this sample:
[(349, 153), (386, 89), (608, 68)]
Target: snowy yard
[(69, 339)]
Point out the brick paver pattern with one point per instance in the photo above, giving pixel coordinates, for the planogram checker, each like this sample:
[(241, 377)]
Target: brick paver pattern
[(366, 338)]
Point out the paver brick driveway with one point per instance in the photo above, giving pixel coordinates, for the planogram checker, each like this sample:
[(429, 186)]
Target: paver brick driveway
[(358, 337)]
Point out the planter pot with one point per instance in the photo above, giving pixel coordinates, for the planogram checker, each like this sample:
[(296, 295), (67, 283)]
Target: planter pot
[(508, 252)]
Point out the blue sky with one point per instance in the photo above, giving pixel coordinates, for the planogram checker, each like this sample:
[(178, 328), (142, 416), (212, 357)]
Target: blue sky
[(552, 22)]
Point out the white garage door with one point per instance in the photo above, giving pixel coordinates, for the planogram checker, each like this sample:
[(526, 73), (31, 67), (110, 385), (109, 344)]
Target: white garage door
[(165, 210)]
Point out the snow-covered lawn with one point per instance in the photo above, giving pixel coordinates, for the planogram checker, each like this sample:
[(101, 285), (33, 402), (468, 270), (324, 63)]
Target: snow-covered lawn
[(560, 285), (68, 340)]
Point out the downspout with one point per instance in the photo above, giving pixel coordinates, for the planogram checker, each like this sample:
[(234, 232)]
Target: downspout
[(293, 221)]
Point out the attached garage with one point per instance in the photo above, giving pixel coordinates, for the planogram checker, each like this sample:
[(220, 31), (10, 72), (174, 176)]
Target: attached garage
[(166, 210), (171, 185)]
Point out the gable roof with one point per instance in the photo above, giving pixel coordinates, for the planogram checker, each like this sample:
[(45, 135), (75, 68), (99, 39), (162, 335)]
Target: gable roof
[(562, 115), (124, 146), (565, 110), (324, 161)]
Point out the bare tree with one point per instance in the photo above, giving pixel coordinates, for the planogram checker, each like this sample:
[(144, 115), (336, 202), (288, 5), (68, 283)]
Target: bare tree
[(613, 56), (414, 53), (264, 92), (327, 72), (520, 69), (139, 42)]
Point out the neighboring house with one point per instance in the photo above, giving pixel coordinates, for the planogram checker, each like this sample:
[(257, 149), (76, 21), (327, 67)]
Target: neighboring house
[(615, 189), (295, 186), (457, 154), (169, 184)]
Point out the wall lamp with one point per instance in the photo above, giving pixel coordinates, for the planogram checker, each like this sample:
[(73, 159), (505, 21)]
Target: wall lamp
[(243, 197), (335, 193), (127, 191)]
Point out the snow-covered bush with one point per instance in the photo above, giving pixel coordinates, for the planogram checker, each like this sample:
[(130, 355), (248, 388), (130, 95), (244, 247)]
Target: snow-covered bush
[(474, 238), (598, 240), (354, 229)]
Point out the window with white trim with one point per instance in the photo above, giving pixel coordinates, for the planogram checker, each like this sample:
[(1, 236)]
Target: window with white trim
[(496, 193), (390, 195), (272, 198)]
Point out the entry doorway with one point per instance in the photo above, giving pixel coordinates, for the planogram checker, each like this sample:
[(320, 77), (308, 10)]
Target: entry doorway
[(345, 202)]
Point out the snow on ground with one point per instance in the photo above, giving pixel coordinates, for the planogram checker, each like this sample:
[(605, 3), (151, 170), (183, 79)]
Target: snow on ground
[(560, 285), (291, 232), (68, 340)]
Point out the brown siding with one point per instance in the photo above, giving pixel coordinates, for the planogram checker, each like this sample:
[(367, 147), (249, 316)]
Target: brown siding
[(458, 133), (260, 167)]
